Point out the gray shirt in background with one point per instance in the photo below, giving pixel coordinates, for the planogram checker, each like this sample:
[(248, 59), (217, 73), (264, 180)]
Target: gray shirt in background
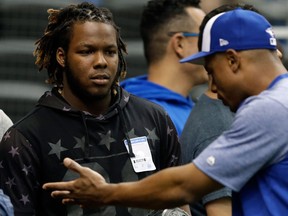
[(208, 119)]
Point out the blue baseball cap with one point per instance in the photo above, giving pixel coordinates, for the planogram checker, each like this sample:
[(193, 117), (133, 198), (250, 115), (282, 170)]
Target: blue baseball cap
[(236, 29)]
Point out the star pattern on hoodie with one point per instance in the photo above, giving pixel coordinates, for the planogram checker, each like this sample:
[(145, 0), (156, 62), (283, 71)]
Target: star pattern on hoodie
[(7, 135), (26, 169), (80, 143), (126, 98), (56, 148), (173, 160), (24, 199), (10, 182), (131, 133), (152, 135), (106, 139), (169, 130), (14, 151)]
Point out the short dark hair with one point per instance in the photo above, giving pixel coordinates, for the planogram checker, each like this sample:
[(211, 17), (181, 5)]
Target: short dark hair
[(58, 34), (158, 18)]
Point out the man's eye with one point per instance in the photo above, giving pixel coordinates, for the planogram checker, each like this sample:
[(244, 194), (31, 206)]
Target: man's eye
[(111, 52), (86, 52)]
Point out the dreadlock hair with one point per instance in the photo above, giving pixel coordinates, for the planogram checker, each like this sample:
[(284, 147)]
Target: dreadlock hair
[(58, 33), (158, 18)]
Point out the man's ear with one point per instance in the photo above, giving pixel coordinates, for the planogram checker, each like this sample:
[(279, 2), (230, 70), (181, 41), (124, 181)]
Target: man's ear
[(279, 54), (233, 59), (60, 56), (178, 45)]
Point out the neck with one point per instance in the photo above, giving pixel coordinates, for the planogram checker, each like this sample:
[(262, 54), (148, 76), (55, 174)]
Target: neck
[(170, 77), (211, 94), (93, 105)]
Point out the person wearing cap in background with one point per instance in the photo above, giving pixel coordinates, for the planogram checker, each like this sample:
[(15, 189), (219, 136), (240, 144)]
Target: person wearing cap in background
[(238, 49)]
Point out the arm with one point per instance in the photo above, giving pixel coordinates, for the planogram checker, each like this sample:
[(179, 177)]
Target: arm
[(168, 188), (220, 206), (218, 202)]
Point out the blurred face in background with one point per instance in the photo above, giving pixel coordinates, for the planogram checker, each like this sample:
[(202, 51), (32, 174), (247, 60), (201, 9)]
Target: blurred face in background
[(196, 72)]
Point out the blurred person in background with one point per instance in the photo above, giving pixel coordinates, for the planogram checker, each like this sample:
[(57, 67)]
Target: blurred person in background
[(208, 5), (169, 30), (6, 207), (206, 122)]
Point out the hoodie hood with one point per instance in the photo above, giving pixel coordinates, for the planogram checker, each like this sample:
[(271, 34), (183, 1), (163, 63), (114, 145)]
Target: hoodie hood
[(54, 100)]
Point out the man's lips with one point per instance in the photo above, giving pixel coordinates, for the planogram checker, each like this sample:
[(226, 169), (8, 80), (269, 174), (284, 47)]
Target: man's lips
[(100, 79)]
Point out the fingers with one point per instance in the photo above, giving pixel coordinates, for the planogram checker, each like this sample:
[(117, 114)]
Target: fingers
[(66, 186), (60, 194), (76, 167), (69, 201), (58, 186), (72, 165)]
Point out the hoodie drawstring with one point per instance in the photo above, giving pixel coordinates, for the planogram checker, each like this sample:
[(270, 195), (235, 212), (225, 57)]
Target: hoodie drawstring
[(87, 140), (131, 153)]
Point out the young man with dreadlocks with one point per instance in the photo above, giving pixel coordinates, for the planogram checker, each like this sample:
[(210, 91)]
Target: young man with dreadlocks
[(86, 116)]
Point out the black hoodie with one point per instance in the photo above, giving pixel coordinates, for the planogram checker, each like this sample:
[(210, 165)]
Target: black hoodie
[(32, 151)]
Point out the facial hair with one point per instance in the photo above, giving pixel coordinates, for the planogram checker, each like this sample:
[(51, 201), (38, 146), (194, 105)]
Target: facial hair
[(78, 90)]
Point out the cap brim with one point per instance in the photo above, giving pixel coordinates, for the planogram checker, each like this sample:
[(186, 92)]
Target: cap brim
[(197, 58)]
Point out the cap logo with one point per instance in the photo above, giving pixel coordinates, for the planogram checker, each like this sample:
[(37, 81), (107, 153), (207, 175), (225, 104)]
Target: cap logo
[(223, 42), (211, 160), (273, 42), (270, 32)]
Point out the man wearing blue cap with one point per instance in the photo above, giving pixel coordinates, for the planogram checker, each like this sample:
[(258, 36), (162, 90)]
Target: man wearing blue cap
[(238, 49)]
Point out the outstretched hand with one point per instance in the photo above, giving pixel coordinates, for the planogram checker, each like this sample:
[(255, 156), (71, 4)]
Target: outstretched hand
[(82, 191)]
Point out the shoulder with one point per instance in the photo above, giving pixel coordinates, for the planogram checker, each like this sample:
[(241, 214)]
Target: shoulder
[(145, 110), (267, 106)]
